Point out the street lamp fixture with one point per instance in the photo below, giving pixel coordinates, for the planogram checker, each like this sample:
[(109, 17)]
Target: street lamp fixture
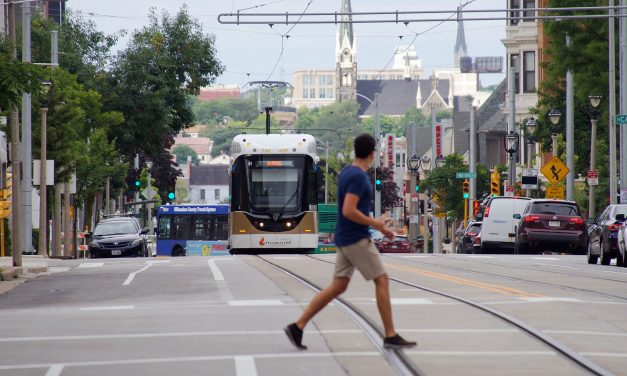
[(46, 93), (511, 143), (531, 129), (439, 161), (554, 117), (425, 163), (595, 100), (413, 163)]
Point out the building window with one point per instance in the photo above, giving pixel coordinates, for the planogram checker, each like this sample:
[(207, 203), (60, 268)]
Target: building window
[(312, 92), (323, 93), (529, 83), (529, 4), (305, 93), (326, 80), (329, 93), (514, 4), (202, 194), (217, 194), (306, 80), (513, 62)]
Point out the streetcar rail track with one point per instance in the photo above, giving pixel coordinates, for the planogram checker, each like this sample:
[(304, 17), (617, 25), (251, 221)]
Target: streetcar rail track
[(518, 279), (566, 351), (397, 359)]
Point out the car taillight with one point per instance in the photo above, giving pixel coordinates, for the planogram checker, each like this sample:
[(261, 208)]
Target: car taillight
[(577, 221), (614, 227), (486, 212), (471, 234), (477, 240), (531, 218)]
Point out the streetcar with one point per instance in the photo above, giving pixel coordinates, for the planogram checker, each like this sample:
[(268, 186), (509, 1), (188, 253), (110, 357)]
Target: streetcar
[(273, 188)]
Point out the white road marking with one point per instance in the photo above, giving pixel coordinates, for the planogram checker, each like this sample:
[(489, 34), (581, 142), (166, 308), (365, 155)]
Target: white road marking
[(238, 333), (586, 333), (546, 258), (543, 299), (55, 370), (286, 257), (245, 366), (255, 303), (604, 270), (612, 355), (91, 265), (407, 301), (131, 276), (415, 256), (483, 353), (158, 262), (292, 355), (479, 256), (217, 274), (107, 308)]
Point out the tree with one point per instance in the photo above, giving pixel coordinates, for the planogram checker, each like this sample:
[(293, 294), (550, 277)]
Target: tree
[(389, 190), (215, 111), (15, 78), (181, 152), (586, 58)]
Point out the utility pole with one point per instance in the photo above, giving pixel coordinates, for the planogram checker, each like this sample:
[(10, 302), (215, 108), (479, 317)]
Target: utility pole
[(612, 106), (511, 123), (570, 132), (67, 220), (58, 188), (26, 230), (377, 158), (622, 37), (16, 249), (472, 159), (326, 178)]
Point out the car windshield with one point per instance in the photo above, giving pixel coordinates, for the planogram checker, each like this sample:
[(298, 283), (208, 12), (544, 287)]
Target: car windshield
[(115, 228), (400, 239), (474, 228), (554, 208), (620, 210), (275, 183)]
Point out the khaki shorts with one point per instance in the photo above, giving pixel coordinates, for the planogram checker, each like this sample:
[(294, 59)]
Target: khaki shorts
[(362, 255)]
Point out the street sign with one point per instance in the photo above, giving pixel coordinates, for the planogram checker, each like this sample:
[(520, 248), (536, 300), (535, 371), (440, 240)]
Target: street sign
[(466, 175), (555, 192), (555, 170), (621, 119), (145, 193), (623, 196), (593, 177), (509, 190), (529, 178)]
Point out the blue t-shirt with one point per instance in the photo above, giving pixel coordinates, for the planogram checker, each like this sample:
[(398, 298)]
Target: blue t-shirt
[(352, 180)]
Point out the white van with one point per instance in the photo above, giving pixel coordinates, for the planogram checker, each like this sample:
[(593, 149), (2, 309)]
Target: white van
[(497, 231)]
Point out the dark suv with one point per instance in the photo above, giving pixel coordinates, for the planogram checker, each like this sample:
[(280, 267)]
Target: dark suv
[(555, 225), (603, 234), (122, 236), (467, 238)]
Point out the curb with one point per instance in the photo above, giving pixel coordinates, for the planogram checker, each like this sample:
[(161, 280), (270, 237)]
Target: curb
[(8, 274)]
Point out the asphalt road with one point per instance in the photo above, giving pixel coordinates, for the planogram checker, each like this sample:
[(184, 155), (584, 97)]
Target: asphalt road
[(224, 316)]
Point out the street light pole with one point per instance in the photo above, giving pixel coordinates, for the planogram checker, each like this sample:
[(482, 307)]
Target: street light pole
[(326, 177), (595, 100), (43, 189), (530, 130)]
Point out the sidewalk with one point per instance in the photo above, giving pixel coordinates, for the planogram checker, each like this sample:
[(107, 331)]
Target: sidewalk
[(30, 265)]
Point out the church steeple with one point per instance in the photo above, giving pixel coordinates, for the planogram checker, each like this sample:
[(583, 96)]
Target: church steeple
[(346, 56), (460, 44)]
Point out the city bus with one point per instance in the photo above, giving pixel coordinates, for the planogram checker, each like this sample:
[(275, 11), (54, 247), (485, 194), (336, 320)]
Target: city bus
[(273, 188), (192, 230)]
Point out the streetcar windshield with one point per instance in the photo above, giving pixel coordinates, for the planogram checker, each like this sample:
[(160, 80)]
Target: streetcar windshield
[(274, 182)]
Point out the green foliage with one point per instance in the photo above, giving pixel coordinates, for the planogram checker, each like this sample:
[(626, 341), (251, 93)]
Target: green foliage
[(181, 152), (340, 118), (215, 111), (15, 78), (446, 189)]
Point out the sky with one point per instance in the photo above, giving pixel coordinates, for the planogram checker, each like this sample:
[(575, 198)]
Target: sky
[(251, 52)]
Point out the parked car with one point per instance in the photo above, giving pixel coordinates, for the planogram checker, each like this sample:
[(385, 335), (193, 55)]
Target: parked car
[(400, 244), (603, 235), (500, 218), (551, 225), (467, 239), (476, 244), (120, 236)]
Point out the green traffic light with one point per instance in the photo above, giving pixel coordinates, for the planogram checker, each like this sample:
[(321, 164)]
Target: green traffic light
[(171, 195), (466, 195), (137, 183), (417, 188), (378, 181)]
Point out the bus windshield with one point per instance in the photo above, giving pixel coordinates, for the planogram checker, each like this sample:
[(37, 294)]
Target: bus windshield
[(274, 182)]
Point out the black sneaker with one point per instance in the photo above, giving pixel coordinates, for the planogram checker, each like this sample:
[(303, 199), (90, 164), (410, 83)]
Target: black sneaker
[(295, 335), (397, 342)]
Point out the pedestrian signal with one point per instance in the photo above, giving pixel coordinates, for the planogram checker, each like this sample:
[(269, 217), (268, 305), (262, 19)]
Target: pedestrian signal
[(466, 189), (495, 184), (475, 208)]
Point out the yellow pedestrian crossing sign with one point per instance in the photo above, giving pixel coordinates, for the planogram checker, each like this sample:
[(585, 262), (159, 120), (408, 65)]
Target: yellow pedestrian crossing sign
[(555, 170)]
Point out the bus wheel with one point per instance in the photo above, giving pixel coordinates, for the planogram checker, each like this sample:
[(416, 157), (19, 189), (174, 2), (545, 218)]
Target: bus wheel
[(178, 252)]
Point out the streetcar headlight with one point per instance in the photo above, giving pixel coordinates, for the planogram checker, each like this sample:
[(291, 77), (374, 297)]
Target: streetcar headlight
[(260, 224), (289, 224)]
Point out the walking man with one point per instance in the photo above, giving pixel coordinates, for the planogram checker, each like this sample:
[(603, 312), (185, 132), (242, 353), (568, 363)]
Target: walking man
[(355, 249)]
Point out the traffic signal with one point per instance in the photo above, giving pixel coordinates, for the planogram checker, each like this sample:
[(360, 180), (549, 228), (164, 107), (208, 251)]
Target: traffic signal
[(171, 196), (377, 184), (466, 189), (5, 199), (475, 208), (495, 183), (137, 184)]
